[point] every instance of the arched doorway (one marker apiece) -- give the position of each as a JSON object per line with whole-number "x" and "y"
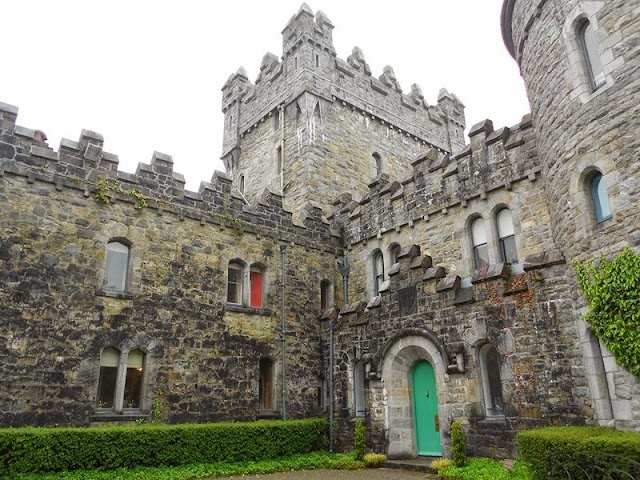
{"x": 404, "y": 358}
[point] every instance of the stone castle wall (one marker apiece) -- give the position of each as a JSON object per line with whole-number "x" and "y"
{"x": 202, "y": 354}
{"x": 580, "y": 131}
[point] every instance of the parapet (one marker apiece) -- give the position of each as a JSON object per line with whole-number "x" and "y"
{"x": 84, "y": 166}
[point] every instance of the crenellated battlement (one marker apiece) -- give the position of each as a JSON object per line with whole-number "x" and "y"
{"x": 494, "y": 161}
{"x": 84, "y": 166}
{"x": 309, "y": 64}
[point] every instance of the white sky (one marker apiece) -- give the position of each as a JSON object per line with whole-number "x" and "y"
{"x": 147, "y": 74}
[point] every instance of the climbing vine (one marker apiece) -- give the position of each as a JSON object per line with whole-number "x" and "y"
{"x": 104, "y": 190}
{"x": 612, "y": 289}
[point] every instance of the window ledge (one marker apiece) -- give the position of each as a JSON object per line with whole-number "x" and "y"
{"x": 111, "y": 294}
{"x": 268, "y": 415}
{"x": 494, "y": 420}
{"x": 127, "y": 415}
{"x": 232, "y": 307}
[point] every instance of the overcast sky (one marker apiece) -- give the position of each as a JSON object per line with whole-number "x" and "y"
{"x": 147, "y": 74}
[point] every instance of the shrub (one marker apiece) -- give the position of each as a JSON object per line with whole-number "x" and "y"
{"x": 577, "y": 452}
{"x": 58, "y": 449}
{"x": 486, "y": 469}
{"x": 440, "y": 463}
{"x": 458, "y": 446}
{"x": 359, "y": 442}
{"x": 374, "y": 460}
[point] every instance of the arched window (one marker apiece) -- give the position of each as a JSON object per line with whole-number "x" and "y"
{"x": 109, "y": 361}
{"x": 234, "y": 284}
{"x": 508, "y": 251}
{"x": 116, "y": 266}
{"x": 358, "y": 389}
{"x": 265, "y": 385}
{"x": 377, "y": 164}
{"x": 600, "y": 198}
{"x": 279, "y": 159}
{"x": 491, "y": 384}
{"x": 378, "y": 271}
{"x": 325, "y": 295}
{"x": 394, "y": 253}
{"x": 241, "y": 184}
{"x": 593, "y": 63}
{"x": 479, "y": 242}
{"x": 255, "y": 287}
{"x": 133, "y": 382}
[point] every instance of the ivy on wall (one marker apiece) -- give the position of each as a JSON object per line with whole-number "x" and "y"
{"x": 612, "y": 289}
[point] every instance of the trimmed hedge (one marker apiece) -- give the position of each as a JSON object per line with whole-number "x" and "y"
{"x": 25, "y": 450}
{"x": 573, "y": 452}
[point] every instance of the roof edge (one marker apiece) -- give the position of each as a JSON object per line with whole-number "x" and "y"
{"x": 506, "y": 18}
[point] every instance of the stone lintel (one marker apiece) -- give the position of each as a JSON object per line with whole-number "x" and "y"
{"x": 448, "y": 283}
{"x": 485, "y": 126}
{"x": 421, "y": 261}
{"x": 434, "y": 273}
{"x": 394, "y": 270}
{"x": 543, "y": 259}
{"x": 409, "y": 251}
{"x": 492, "y": 272}
{"x": 463, "y": 295}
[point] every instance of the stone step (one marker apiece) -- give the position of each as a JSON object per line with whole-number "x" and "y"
{"x": 420, "y": 464}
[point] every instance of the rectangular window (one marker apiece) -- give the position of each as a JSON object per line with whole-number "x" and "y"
{"x": 255, "y": 281}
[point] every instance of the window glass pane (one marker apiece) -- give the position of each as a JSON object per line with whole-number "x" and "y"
{"x": 378, "y": 271}
{"x": 481, "y": 256}
{"x": 358, "y": 389}
{"x": 234, "y": 286}
{"x": 508, "y": 249}
{"x": 492, "y": 386}
{"x": 590, "y": 46}
{"x": 133, "y": 382}
{"x": 116, "y": 266}
{"x": 395, "y": 252}
{"x": 505, "y": 223}
{"x": 478, "y": 232}
{"x": 324, "y": 294}
{"x": 109, "y": 361}
{"x": 600, "y": 198}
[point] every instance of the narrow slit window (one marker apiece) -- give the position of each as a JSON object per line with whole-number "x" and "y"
{"x": 592, "y": 59}
{"x": 378, "y": 271}
{"x": 600, "y": 198}
{"x": 265, "y": 385}
{"x": 358, "y": 389}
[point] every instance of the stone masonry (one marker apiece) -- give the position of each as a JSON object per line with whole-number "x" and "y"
{"x": 331, "y": 163}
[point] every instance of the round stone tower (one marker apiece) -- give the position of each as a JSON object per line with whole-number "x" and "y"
{"x": 580, "y": 61}
{"x": 581, "y": 66}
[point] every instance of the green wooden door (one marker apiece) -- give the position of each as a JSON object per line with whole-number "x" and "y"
{"x": 425, "y": 407}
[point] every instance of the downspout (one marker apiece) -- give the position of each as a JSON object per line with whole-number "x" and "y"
{"x": 281, "y": 120}
{"x": 283, "y": 252}
{"x": 344, "y": 270}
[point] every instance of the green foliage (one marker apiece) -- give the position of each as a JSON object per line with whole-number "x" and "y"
{"x": 359, "y": 442}
{"x": 25, "y": 450}
{"x": 458, "y": 445}
{"x": 568, "y": 451}
{"x": 104, "y": 190}
{"x": 310, "y": 461}
{"x": 441, "y": 463}
{"x": 613, "y": 291}
{"x": 487, "y": 469}
{"x": 374, "y": 460}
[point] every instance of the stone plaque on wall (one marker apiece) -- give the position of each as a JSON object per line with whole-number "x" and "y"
{"x": 407, "y": 300}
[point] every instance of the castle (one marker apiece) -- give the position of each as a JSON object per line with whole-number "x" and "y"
{"x": 358, "y": 256}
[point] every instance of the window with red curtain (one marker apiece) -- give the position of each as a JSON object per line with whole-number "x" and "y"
{"x": 255, "y": 280}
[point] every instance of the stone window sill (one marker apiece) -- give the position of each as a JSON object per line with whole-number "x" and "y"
{"x": 108, "y": 415}
{"x": 111, "y": 294}
{"x": 232, "y": 307}
{"x": 493, "y": 421}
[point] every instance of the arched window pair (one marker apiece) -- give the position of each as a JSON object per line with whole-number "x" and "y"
{"x": 242, "y": 290}
{"x": 120, "y": 381}
{"x": 506, "y": 240}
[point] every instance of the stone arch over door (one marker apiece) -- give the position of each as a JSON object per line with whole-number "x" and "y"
{"x": 397, "y": 364}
